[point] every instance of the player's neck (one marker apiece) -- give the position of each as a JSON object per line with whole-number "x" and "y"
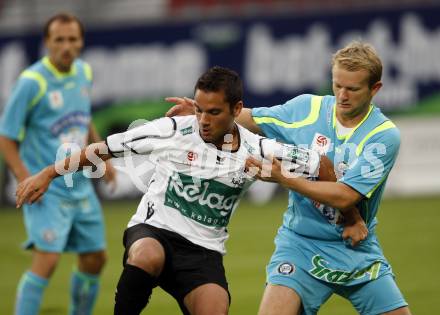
{"x": 230, "y": 141}
{"x": 351, "y": 121}
{"x": 60, "y": 68}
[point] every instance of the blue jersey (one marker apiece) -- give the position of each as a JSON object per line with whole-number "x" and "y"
{"x": 363, "y": 159}
{"x": 49, "y": 111}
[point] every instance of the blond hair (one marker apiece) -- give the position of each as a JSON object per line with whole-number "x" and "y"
{"x": 357, "y": 56}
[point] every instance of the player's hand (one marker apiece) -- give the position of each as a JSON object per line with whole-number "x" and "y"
{"x": 32, "y": 188}
{"x": 183, "y": 106}
{"x": 268, "y": 170}
{"x": 356, "y": 231}
{"x": 110, "y": 175}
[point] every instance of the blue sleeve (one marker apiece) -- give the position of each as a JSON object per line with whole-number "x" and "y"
{"x": 273, "y": 120}
{"x": 375, "y": 162}
{"x": 12, "y": 122}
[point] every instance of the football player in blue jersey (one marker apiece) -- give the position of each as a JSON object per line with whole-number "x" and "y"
{"x": 49, "y": 115}
{"x": 312, "y": 260}
{"x": 309, "y": 264}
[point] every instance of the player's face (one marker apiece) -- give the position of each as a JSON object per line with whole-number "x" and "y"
{"x": 352, "y": 92}
{"x": 214, "y": 115}
{"x": 64, "y": 43}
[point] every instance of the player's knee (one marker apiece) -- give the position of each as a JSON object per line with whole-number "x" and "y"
{"x": 207, "y": 299}
{"x": 147, "y": 254}
{"x": 100, "y": 260}
{"x": 214, "y": 307}
{"x": 92, "y": 262}
{"x": 211, "y": 309}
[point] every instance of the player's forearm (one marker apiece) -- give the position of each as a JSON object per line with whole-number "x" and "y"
{"x": 92, "y": 155}
{"x": 326, "y": 170}
{"x": 352, "y": 216}
{"x": 9, "y": 150}
{"x": 245, "y": 119}
{"x": 336, "y": 195}
{"x": 326, "y": 173}
{"x": 93, "y": 136}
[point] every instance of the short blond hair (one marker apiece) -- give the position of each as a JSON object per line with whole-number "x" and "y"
{"x": 358, "y": 55}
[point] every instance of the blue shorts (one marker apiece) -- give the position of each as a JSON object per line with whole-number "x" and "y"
{"x": 56, "y": 224}
{"x": 306, "y": 267}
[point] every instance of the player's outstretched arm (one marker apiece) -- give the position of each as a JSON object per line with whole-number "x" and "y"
{"x": 183, "y": 106}
{"x": 325, "y": 191}
{"x": 336, "y": 195}
{"x": 32, "y": 188}
{"x": 110, "y": 171}
{"x": 355, "y": 228}
{"x": 246, "y": 120}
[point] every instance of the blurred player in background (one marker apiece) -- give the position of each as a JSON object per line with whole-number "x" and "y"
{"x": 177, "y": 237}
{"x": 47, "y": 114}
{"x": 310, "y": 262}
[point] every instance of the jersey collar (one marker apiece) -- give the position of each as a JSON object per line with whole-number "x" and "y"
{"x": 58, "y": 74}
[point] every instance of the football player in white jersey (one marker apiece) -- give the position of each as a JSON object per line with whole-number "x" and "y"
{"x": 176, "y": 238}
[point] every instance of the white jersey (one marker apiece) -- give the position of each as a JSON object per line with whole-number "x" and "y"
{"x": 195, "y": 187}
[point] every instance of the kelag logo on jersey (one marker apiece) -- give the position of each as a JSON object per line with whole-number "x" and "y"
{"x": 205, "y": 201}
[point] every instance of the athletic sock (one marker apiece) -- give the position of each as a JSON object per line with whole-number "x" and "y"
{"x": 30, "y": 294}
{"x": 84, "y": 289}
{"x": 133, "y": 291}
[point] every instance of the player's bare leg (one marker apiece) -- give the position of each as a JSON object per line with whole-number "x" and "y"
{"x": 147, "y": 254}
{"x": 400, "y": 311}
{"x": 207, "y": 299}
{"x": 44, "y": 263}
{"x": 279, "y": 300}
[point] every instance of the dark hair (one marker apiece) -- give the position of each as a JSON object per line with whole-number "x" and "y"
{"x": 63, "y": 18}
{"x": 222, "y": 79}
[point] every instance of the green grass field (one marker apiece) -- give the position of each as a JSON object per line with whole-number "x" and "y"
{"x": 408, "y": 229}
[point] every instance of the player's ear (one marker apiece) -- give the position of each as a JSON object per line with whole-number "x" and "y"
{"x": 376, "y": 87}
{"x": 236, "y": 109}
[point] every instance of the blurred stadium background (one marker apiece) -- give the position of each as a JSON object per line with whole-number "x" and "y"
{"x": 142, "y": 51}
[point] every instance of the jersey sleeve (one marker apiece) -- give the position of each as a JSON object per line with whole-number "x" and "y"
{"x": 151, "y": 136}
{"x": 296, "y": 160}
{"x": 276, "y": 120}
{"x": 24, "y": 95}
{"x": 374, "y": 163}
